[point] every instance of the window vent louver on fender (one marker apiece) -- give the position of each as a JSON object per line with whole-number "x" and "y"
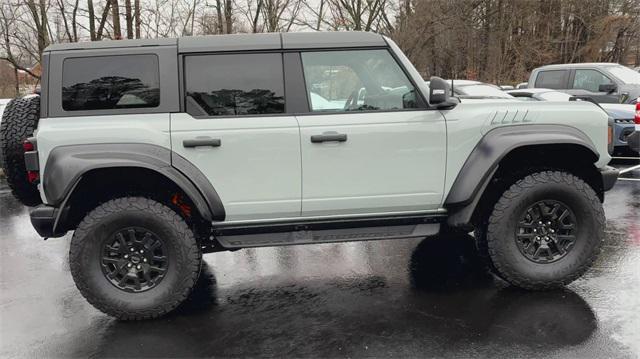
{"x": 502, "y": 117}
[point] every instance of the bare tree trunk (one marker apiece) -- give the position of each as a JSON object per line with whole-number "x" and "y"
{"x": 320, "y": 14}
{"x": 17, "y": 80}
{"x": 219, "y": 13}
{"x": 128, "y": 18}
{"x": 136, "y": 9}
{"x": 103, "y": 20}
{"x": 115, "y": 11}
{"x": 92, "y": 20}
{"x": 228, "y": 17}
{"x": 193, "y": 17}
{"x": 74, "y": 20}
{"x": 39, "y": 16}
{"x": 63, "y": 13}
{"x": 256, "y": 17}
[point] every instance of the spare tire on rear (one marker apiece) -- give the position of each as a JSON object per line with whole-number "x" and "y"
{"x": 19, "y": 120}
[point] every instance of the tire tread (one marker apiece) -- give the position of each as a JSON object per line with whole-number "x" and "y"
{"x": 190, "y": 247}
{"x": 500, "y": 210}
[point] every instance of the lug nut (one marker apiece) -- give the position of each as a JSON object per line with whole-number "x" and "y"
{"x": 129, "y": 265}
{"x": 139, "y": 266}
{"x": 141, "y": 251}
{"x": 132, "y": 249}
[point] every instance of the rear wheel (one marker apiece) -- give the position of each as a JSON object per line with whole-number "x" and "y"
{"x": 19, "y": 120}
{"x": 545, "y": 231}
{"x": 134, "y": 258}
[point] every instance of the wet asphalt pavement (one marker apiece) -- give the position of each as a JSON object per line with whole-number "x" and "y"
{"x": 403, "y": 298}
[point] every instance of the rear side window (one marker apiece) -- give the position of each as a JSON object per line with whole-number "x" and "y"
{"x": 110, "y": 82}
{"x": 555, "y": 79}
{"x": 234, "y": 85}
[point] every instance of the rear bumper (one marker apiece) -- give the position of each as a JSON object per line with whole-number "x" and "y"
{"x": 609, "y": 177}
{"x": 44, "y": 219}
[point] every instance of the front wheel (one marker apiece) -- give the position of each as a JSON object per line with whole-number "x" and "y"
{"x": 545, "y": 231}
{"x": 134, "y": 258}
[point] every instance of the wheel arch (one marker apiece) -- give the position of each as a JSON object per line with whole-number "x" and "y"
{"x": 508, "y": 152}
{"x": 93, "y": 173}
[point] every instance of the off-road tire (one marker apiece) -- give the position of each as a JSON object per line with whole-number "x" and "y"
{"x": 19, "y": 120}
{"x": 102, "y": 223}
{"x": 511, "y": 264}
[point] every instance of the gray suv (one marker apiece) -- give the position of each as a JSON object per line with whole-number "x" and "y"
{"x": 154, "y": 152}
{"x": 604, "y": 82}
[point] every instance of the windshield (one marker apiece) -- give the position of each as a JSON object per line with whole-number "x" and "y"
{"x": 486, "y": 91}
{"x": 554, "y": 96}
{"x": 625, "y": 74}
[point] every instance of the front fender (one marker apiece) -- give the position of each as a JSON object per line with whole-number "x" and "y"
{"x": 483, "y": 161}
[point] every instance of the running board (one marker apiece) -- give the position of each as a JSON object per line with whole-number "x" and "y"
{"x": 232, "y": 237}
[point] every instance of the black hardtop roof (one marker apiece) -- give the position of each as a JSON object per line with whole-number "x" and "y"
{"x": 239, "y": 42}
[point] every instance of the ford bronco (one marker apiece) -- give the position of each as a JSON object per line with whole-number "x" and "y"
{"x": 154, "y": 152}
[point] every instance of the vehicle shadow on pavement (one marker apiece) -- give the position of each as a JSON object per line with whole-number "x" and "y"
{"x": 451, "y": 297}
{"x": 450, "y": 267}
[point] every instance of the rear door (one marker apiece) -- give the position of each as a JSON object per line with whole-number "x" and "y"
{"x": 553, "y": 79}
{"x": 369, "y": 144}
{"x": 237, "y": 132}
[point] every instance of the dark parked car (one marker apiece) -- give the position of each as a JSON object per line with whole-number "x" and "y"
{"x": 603, "y": 82}
{"x": 622, "y": 114}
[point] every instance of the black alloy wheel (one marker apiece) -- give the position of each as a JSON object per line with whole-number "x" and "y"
{"x": 546, "y": 231}
{"x": 134, "y": 259}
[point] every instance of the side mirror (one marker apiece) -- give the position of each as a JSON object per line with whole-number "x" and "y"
{"x": 608, "y": 88}
{"x": 438, "y": 90}
{"x": 439, "y": 93}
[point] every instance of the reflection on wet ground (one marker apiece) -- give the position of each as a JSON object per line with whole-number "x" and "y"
{"x": 429, "y": 297}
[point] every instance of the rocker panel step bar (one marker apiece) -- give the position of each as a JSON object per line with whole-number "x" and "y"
{"x": 308, "y": 232}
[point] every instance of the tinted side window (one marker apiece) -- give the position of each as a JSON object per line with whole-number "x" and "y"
{"x": 356, "y": 80}
{"x": 110, "y": 82}
{"x": 590, "y": 80}
{"x": 555, "y": 79}
{"x": 229, "y": 85}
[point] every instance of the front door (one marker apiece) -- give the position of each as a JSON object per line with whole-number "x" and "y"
{"x": 368, "y": 144}
{"x": 236, "y": 132}
{"x": 587, "y": 82}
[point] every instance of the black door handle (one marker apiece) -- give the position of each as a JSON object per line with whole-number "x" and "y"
{"x": 329, "y": 137}
{"x": 195, "y": 142}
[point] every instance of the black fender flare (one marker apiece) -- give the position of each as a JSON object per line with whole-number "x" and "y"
{"x": 67, "y": 164}
{"x": 482, "y": 163}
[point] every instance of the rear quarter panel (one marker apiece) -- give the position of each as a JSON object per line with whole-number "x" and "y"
{"x": 79, "y": 130}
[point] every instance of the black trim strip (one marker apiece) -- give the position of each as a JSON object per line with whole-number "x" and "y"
{"x": 222, "y": 229}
